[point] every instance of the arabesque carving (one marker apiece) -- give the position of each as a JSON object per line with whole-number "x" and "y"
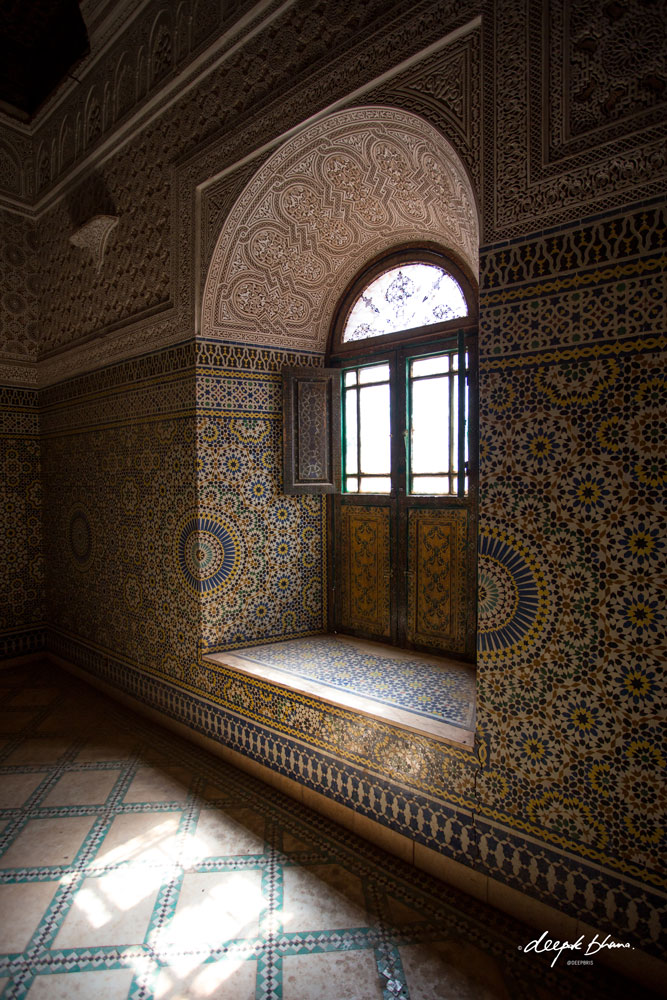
{"x": 344, "y": 190}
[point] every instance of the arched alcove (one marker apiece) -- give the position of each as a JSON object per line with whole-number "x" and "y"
{"x": 340, "y": 192}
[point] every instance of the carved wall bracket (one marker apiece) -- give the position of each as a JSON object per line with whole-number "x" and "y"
{"x": 93, "y": 236}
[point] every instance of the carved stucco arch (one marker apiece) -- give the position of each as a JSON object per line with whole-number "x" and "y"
{"x": 331, "y": 198}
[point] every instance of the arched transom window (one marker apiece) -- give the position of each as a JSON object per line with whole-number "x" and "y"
{"x": 405, "y": 296}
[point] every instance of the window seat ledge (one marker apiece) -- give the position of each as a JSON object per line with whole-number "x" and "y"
{"x": 415, "y": 691}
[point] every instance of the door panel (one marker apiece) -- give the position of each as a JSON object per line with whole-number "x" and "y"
{"x": 437, "y": 558}
{"x": 364, "y": 569}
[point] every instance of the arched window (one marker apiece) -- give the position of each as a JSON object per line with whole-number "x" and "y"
{"x": 400, "y": 395}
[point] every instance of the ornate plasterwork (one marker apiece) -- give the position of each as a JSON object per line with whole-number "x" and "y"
{"x": 104, "y": 336}
{"x": 135, "y": 52}
{"x": 18, "y": 374}
{"x": 606, "y": 70}
{"x": 20, "y": 281}
{"x": 445, "y": 89}
{"x": 561, "y": 151}
{"x": 93, "y": 236}
{"x": 341, "y": 192}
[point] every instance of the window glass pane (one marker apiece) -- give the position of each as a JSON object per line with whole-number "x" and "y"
{"x": 375, "y": 484}
{"x": 455, "y": 424}
{"x": 374, "y": 373}
{"x": 465, "y": 441}
{"x": 432, "y": 484}
{"x": 402, "y": 298}
{"x": 431, "y": 366}
{"x": 351, "y": 484}
{"x": 430, "y": 425}
{"x": 351, "y": 439}
{"x": 350, "y": 378}
{"x": 374, "y": 429}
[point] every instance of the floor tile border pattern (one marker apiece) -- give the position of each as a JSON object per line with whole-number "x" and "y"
{"x": 39, "y": 958}
{"x": 557, "y": 878}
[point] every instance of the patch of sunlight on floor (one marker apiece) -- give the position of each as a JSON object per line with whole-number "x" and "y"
{"x": 156, "y": 845}
{"x": 225, "y": 911}
{"x": 123, "y": 889}
{"x": 200, "y": 981}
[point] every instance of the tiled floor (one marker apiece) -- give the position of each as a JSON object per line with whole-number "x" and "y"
{"x": 133, "y": 864}
{"x": 429, "y": 694}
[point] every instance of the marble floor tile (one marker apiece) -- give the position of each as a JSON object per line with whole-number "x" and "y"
{"x": 154, "y": 784}
{"x": 81, "y": 788}
{"x": 33, "y": 696}
{"x": 452, "y": 969}
{"x": 108, "y": 984}
{"x": 105, "y": 746}
{"x": 63, "y": 721}
{"x": 400, "y": 915}
{"x": 16, "y": 788}
{"x": 230, "y": 831}
{"x": 47, "y": 842}
{"x": 114, "y": 909}
{"x": 295, "y": 845}
{"x": 214, "y": 907}
{"x": 22, "y": 905}
{"x": 334, "y": 976}
{"x": 15, "y": 721}
{"x": 324, "y": 897}
{"x": 43, "y": 751}
{"x": 231, "y": 979}
{"x": 147, "y": 837}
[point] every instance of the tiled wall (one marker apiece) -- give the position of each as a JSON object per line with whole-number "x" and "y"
{"x": 572, "y": 554}
{"x": 166, "y": 529}
{"x": 22, "y": 574}
{"x": 262, "y": 573}
{"x": 119, "y": 467}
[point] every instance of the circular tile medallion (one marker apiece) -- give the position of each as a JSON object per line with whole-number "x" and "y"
{"x": 208, "y": 553}
{"x": 80, "y": 537}
{"x": 512, "y": 594}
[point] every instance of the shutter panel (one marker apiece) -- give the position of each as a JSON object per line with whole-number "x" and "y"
{"x": 440, "y": 558}
{"x": 311, "y": 430}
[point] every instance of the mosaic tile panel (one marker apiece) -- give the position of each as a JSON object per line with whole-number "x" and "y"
{"x": 143, "y": 557}
{"x": 436, "y": 691}
{"x": 176, "y": 875}
{"x": 21, "y": 559}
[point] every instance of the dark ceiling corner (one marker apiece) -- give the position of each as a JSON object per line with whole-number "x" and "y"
{"x": 41, "y": 41}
